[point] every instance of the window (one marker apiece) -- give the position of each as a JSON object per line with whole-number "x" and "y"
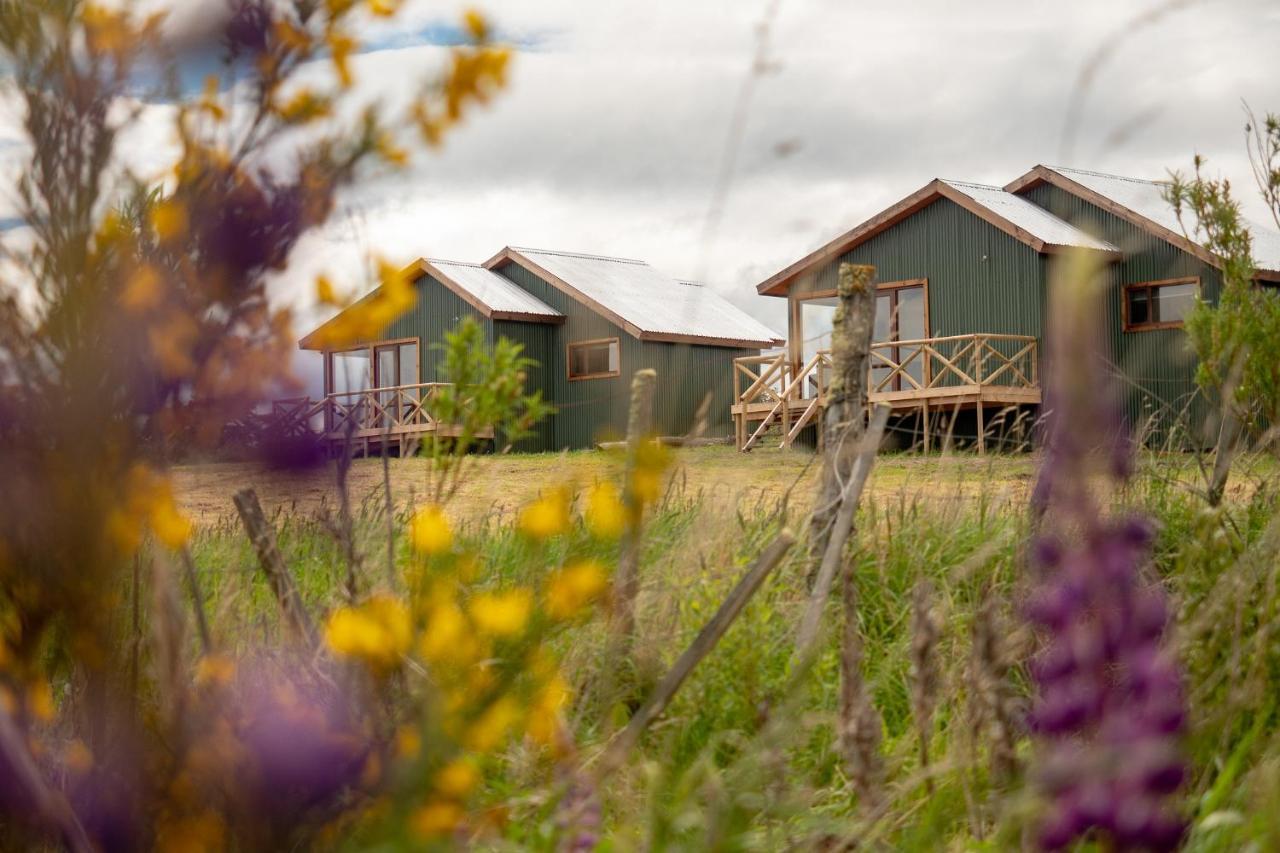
{"x": 594, "y": 359}
{"x": 388, "y": 364}
{"x": 1159, "y": 304}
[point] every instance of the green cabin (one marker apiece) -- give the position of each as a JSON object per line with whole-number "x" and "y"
{"x": 588, "y": 321}
{"x": 963, "y": 274}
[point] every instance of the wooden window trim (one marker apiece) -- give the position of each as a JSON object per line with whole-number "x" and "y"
{"x": 1149, "y": 286}
{"x": 371, "y": 349}
{"x": 568, "y": 359}
{"x": 883, "y": 285}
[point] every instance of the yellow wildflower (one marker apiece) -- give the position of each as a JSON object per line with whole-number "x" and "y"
{"x": 141, "y": 289}
{"x": 171, "y": 527}
{"x": 40, "y": 700}
{"x": 325, "y": 293}
{"x": 341, "y": 47}
{"x": 502, "y": 614}
{"x": 493, "y": 725}
{"x": 384, "y": 8}
{"x": 124, "y": 531}
{"x": 456, "y": 779}
{"x": 605, "y": 514}
{"x": 544, "y": 713}
{"x": 436, "y": 819}
{"x": 547, "y": 516}
{"x": 430, "y": 531}
{"x": 77, "y": 758}
{"x": 447, "y": 638}
{"x": 476, "y": 25}
{"x": 304, "y": 106}
{"x": 408, "y": 743}
{"x": 171, "y": 344}
{"x": 652, "y": 459}
{"x": 376, "y": 632}
{"x": 215, "y": 671}
{"x": 574, "y": 587}
{"x": 386, "y": 148}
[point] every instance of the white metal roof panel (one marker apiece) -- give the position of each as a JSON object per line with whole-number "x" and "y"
{"x": 1031, "y": 218}
{"x": 1147, "y": 199}
{"x": 493, "y": 290}
{"x": 651, "y": 300}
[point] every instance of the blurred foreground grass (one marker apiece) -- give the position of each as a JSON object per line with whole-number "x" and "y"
{"x": 744, "y": 753}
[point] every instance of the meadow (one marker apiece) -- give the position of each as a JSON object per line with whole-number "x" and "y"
{"x": 746, "y": 757}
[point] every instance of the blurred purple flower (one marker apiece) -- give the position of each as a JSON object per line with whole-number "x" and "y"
{"x": 248, "y": 29}
{"x": 1110, "y": 708}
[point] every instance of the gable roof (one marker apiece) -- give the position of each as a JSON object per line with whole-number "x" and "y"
{"x": 1143, "y": 204}
{"x": 648, "y": 304}
{"x": 493, "y": 295}
{"x": 1017, "y": 217}
{"x": 489, "y": 293}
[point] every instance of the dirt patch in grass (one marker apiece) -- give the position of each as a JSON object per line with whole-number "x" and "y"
{"x": 500, "y": 484}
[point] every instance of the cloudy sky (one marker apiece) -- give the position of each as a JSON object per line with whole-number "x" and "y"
{"x": 652, "y": 129}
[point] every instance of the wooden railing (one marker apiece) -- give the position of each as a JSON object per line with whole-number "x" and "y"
{"x": 913, "y": 369}
{"x": 770, "y": 389}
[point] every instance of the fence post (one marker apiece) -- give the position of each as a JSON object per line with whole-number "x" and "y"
{"x": 844, "y": 420}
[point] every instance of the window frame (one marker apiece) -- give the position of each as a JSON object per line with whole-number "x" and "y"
{"x": 1151, "y": 286}
{"x": 568, "y": 358}
{"x": 372, "y": 349}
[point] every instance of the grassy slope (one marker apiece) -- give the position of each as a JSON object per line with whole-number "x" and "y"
{"x": 744, "y": 757}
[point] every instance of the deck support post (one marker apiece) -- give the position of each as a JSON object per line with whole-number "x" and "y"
{"x": 924, "y": 425}
{"x": 982, "y": 430}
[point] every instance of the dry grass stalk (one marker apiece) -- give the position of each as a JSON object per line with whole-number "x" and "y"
{"x": 926, "y": 677}
{"x": 168, "y": 637}
{"x": 993, "y": 706}
{"x": 860, "y": 725}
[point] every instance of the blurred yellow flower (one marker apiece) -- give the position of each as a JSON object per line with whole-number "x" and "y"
{"x": 502, "y": 614}
{"x": 215, "y": 670}
{"x": 430, "y": 531}
{"x": 384, "y": 8}
{"x": 605, "y": 514}
{"x": 341, "y": 47}
{"x": 171, "y": 342}
{"x": 476, "y": 25}
{"x": 457, "y": 778}
{"x": 435, "y": 819}
{"x": 171, "y": 527}
{"x": 652, "y": 459}
{"x": 325, "y": 293}
{"x": 498, "y": 719}
{"x": 142, "y": 289}
{"x": 544, "y": 713}
{"x": 376, "y": 632}
{"x": 575, "y": 586}
{"x": 77, "y": 758}
{"x": 304, "y": 106}
{"x": 408, "y": 743}
{"x": 40, "y": 700}
{"x": 446, "y": 636}
{"x": 547, "y": 516}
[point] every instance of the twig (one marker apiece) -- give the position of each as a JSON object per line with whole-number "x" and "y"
{"x": 197, "y": 600}
{"x": 263, "y": 537}
{"x": 839, "y": 534}
{"x": 24, "y": 775}
{"x": 701, "y": 646}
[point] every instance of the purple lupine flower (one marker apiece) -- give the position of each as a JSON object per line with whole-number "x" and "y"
{"x": 1110, "y": 708}
{"x": 248, "y": 29}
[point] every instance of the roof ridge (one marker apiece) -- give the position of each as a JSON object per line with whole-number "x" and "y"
{"x": 452, "y": 263}
{"x": 954, "y": 182}
{"x": 1097, "y": 174}
{"x": 564, "y": 254}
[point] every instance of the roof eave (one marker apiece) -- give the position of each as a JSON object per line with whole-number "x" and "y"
{"x": 707, "y": 340}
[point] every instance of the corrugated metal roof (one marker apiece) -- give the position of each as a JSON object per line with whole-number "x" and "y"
{"x": 649, "y": 300}
{"x": 495, "y": 292}
{"x": 1031, "y": 218}
{"x": 1147, "y": 199}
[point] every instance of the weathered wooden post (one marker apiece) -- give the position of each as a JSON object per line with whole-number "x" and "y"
{"x": 627, "y": 580}
{"x": 844, "y": 420}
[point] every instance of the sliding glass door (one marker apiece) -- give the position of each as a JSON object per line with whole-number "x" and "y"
{"x": 902, "y": 314}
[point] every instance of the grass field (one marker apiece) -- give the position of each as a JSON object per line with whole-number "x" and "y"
{"x": 747, "y": 756}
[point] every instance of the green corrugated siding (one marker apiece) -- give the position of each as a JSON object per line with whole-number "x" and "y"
{"x": 438, "y": 310}
{"x": 1159, "y": 366}
{"x": 592, "y": 410}
{"x": 538, "y": 340}
{"x": 979, "y": 278}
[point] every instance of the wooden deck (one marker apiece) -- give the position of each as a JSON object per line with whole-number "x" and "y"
{"x": 375, "y": 419}
{"x": 977, "y": 371}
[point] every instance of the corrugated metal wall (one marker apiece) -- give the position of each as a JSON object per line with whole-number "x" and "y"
{"x": 979, "y": 278}
{"x": 538, "y": 340}
{"x": 438, "y": 310}
{"x": 1158, "y": 365}
{"x": 592, "y": 410}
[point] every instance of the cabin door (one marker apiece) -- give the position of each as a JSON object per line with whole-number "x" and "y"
{"x": 395, "y": 366}
{"x": 901, "y": 315}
